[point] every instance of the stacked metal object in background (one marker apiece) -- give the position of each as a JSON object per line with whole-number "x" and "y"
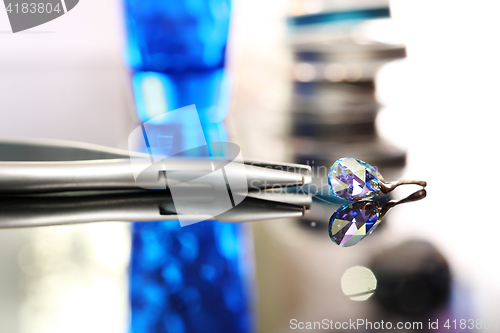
{"x": 334, "y": 106}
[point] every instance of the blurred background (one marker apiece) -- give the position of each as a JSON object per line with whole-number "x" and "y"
{"x": 407, "y": 86}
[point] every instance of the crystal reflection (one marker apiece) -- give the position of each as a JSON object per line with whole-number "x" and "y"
{"x": 353, "y": 222}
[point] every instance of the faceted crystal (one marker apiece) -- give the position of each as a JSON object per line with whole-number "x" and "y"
{"x": 351, "y": 223}
{"x": 352, "y": 179}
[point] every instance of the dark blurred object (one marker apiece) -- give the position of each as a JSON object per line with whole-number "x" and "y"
{"x": 413, "y": 278}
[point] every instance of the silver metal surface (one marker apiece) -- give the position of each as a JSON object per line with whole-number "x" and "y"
{"x": 21, "y": 170}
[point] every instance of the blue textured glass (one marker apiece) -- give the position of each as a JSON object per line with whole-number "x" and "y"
{"x": 188, "y": 279}
{"x": 176, "y": 36}
{"x": 192, "y": 278}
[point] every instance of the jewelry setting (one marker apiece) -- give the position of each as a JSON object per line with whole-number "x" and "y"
{"x": 353, "y": 180}
{"x": 358, "y": 181}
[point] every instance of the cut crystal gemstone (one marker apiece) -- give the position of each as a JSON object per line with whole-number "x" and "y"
{"x": 351, "y": 223}
{"x": 352, "y": 179}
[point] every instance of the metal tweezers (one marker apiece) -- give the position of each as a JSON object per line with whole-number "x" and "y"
{"x": 54, "y": 182}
